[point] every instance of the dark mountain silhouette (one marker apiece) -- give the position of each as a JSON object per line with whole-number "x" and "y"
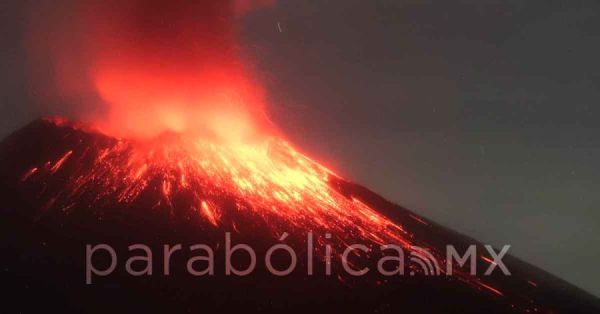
{"x": 61, "y": 190}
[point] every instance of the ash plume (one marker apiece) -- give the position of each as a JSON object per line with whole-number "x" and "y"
{"x": 138, "y": 68}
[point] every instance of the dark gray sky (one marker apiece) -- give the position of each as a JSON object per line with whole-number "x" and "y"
{"x": 481, "y": 115}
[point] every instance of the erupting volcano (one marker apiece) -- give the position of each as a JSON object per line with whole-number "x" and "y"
{"x": 186, "y": 123}
{"x": 175, "y": 146}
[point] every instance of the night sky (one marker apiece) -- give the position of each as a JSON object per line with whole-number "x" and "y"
{"x": 481, "y": 115}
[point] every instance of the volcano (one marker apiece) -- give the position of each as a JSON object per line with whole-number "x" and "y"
{"x": 66, "y": 186}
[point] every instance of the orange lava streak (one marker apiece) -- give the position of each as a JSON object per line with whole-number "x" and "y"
{"x": 492, "y": 289}
{"x": 60, "y": 162}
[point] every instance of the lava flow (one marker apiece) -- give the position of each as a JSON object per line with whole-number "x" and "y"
{"x": 222, "y": 184}
{"x": 267, "y": 178}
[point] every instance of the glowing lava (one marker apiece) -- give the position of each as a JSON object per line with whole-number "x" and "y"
{"x": 266, "y": 177}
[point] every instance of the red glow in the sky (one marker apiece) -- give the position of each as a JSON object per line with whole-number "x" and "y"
{"x": 145, "y": 103}
{"x": 156, "y": 66}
